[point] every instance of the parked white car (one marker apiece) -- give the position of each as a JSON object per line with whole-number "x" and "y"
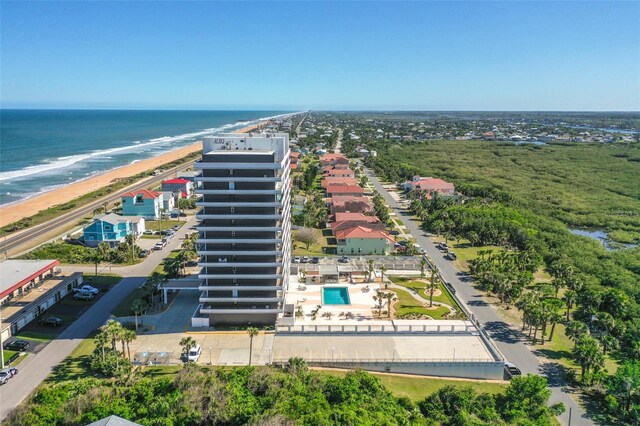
{"x": 194, "y": 353}
{"x": 86, "y": 289}
{"x": 83, "y": 295}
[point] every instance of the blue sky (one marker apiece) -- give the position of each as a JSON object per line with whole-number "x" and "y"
{"x": 329, "y": 55}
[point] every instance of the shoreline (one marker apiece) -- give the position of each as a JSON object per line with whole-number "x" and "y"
{"x": 21, "y": 209}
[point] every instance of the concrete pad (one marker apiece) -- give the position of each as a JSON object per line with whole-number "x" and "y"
{"x": 380, "y": 347}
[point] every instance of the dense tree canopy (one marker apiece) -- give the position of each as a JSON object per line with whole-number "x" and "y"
{"x": 294, "y": 395}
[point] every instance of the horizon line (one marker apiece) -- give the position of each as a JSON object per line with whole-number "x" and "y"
{"x": 298, "y": 110}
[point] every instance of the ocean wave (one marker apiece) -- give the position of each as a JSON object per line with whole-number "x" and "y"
{"x": 71, "y": 160}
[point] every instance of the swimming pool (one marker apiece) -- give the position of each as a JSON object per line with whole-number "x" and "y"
{"x": 335, "y": 296}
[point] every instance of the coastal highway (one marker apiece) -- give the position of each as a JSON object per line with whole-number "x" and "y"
{"x": 509, "y": 340}
{"x": 32, "y": 237}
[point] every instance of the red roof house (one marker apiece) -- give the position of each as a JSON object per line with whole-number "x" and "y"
{"x": 333, "y": 190}
{"x": 350, "y": 203}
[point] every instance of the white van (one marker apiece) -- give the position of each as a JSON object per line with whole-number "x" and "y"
{"x": 194, "y": 353}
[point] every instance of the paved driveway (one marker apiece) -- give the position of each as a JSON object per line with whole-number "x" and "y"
{"x": 508, "y": 339}
{"x": 35, "y": 368}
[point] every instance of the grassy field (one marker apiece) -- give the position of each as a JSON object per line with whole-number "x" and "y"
{"x": 407, "y": 305}
{"x": 419, "y": 287}
{"x": 154, "y": 225}
{"x": 160, "y": 268}
{"x": 417, "y": 388}
{"x": 124, "y": 308}
{"x": 73, "y": 367}
{"x": 583, "y": 185}
{"x": 321, "y": 247}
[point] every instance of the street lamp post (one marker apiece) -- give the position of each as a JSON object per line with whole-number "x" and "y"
{"x": 210, "y": 359}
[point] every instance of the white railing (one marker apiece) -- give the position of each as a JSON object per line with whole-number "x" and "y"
{"x": 378, "y": 328}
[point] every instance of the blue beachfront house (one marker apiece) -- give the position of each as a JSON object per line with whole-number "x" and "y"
{"x": 109, "y": 228}
{"x": 143, "y": 202}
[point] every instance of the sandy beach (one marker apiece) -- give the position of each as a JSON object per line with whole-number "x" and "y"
{"x": 31, "y": 206}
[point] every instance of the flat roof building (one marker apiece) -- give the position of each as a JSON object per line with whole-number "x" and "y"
{"x": 17, "y": 276}
{"x": 244, "y": 238}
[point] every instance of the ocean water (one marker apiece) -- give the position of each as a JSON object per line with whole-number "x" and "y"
{"x": 44, "y": 149}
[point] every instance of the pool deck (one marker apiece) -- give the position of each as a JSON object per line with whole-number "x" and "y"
{"x": 310, "y": 296}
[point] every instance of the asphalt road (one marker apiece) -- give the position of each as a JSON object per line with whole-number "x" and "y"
{"x": 509, "y": 340}
{"x": 20, "y": 240}
{"x": 36, "y": 367}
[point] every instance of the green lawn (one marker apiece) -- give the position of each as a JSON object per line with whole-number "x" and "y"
{"x": 35, "y": 336}
{"x": 160, "y": 268}
{"x": 7, "y": 356}
{"x": 317, "y": 249}
{"x": 124, "y": 308}
{"x": 417, "y": 388}
{"x": 102, "y": 279}
{"x": 465, "y": 251}
{"x": 154, "y": 225}
{"x": 73, "y": 367}
{"x": 406, "y": 304}
{"x": 419, "y": 287}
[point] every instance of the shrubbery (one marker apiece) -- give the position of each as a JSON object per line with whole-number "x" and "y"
{"x": 294, "y": 395}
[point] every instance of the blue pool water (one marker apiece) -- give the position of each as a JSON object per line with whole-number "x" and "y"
{"x": 335, "y": 296}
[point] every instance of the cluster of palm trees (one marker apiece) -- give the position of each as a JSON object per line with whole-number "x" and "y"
{"x": 150, "y": 291}
{"x": 384, "y": 297}
{"x": 505, "y": 274}
{"x": 111, "y": 334}
{"x": 176, "y": 266}
{"x": 474, "y": 220}
{"x": 127, "y": 251}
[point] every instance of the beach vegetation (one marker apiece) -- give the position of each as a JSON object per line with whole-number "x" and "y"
{"x": 197, "y": 395}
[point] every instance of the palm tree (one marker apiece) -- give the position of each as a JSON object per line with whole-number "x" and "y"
{"x": 432, "y": 286}
{"x": 391, "y": 297}
{"x": 129, "y": 336}
{"x": 570, "y": 297}
{"x": 576, "y": 330}
{"x": 382, "y": 269}
{"x": 379, "y": 297}
{"x": 370, "y": 270}
{"x": 112, "y": 329}
{"x": 252, "y": 332}
{"x": 104, "y": 250}
{"x": 138, "y": 306}
{"x": 423, "y": 264}
{"x": 186, "y": 343}
{"x": 589, "y": 354}
{"x": 151, "y": 286}
{"x": 101, "y": 340}
{"x": 97, "y": 211}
